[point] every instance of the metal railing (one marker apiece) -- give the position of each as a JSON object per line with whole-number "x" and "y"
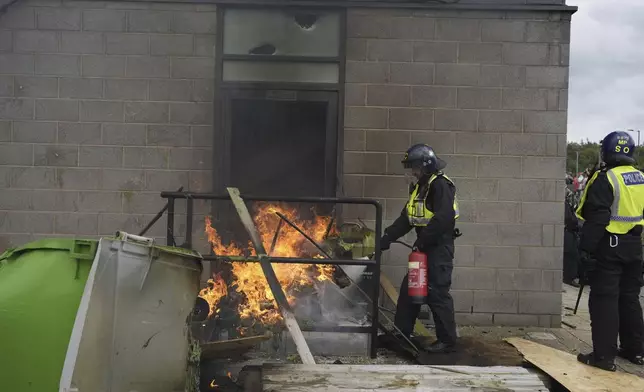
{"x": 190, "y": 197}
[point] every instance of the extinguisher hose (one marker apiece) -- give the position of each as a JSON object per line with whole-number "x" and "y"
{"x": 403, "y": 243}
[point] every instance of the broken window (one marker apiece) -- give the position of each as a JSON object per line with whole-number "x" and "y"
{"x": 281, "y": 32}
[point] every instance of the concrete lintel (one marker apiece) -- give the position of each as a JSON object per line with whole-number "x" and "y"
{"x": 402, "y": 4}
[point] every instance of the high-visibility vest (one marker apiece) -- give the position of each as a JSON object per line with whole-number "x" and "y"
{"x": 628, "y": 199}
{"x": 417, "y": 212}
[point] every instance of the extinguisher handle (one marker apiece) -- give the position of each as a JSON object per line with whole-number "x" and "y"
{"x": 414, "y": 249}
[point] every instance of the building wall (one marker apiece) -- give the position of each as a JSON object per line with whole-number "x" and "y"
{"x": 102, "y": 105}
{"x": 105, "y": 103}
{"x": 488, "y": 90}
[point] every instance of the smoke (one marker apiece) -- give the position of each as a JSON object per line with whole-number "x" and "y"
{"x": 330, "y": 305}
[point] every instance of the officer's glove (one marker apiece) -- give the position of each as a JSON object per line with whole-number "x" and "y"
{"x": 417, "y": 246}
{"x": 385, "y": 242}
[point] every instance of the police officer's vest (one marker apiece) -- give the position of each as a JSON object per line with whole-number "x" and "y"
{"x": 417, "y": 212}
{"x": 628, "y": 199}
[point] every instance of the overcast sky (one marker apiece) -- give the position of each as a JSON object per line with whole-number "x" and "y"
{"x": 606, "y": 68}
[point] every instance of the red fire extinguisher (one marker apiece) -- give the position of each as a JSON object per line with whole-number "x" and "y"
{"x": 417, "y": 277}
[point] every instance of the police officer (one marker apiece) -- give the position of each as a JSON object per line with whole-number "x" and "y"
{"x": 431, "y": 210}
{"x": 571, "y": 243}
{"x": 612, "y": 207}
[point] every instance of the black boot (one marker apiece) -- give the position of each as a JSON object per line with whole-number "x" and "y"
{"x": 601, "y": 363}
{"x": 439, "y": 347}
{"x": 637, "y": 359}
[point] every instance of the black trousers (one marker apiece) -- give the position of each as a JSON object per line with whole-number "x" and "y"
{"x": 440, "y": 266}
{"x": 571, "y": 256}
{"x": 615, "y": 284}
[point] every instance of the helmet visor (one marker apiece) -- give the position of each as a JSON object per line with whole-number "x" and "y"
{"x": 412, "y": 164}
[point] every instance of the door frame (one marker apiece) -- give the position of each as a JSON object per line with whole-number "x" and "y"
{"x": 223, "y": 90}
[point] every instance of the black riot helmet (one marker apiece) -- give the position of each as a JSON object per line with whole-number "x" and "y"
{"x": 618, "y": 148}
{"x": 422, "y": 156}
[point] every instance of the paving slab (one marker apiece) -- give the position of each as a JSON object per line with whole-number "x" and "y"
{"x": 578, "y": 337}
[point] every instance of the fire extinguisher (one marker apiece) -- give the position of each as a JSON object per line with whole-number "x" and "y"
{"x": 417, "y": 277}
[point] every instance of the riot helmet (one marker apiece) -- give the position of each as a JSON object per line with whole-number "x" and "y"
{"x": 422, "y": 159}
{"x": 618, "y": 148}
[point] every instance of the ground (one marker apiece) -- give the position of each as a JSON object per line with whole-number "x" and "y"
{"x": 484, "y": 346}
{"x": 579, "y": 338}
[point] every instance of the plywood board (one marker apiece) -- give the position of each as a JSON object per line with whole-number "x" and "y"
{"x": 572, "y": 374}
{"x": 296, "y": 378}
{"x": 391, "y": 292}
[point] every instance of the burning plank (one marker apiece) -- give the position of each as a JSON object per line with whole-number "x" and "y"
{"x": 271, "y": 278}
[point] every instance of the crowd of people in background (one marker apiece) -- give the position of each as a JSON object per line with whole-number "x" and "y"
{"x": 577, "y": 182}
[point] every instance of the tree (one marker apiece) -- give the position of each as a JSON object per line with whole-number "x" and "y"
{"x": 589, "y": 154}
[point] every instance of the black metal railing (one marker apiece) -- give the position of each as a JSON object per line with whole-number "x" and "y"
{"x": 190, "y": 197}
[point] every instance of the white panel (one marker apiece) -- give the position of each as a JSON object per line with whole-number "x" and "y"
{"x": 245, "y": 71}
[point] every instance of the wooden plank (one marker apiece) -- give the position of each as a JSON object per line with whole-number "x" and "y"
{"x": 300, "y": 378}
{"x": 408, "y": 369}
{"x": 224, "y": 347}
{"x": 572, "y": 374}
{"x": 391, "y": 292}
{"x": 271, "y": 278}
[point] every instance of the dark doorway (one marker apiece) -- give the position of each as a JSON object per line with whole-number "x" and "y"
{"x": 280, "y": 143}
{"x": 278, "y": 147}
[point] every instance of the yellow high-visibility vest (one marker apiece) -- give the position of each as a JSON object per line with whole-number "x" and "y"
{"x": 417, "y": 212}
{"x": 628, "y": 199}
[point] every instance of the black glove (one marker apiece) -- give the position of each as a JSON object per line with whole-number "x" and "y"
{"x": 588, "y": 263}
{"x": 385, "y": 242}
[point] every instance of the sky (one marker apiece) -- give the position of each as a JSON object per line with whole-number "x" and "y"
{"x": 606, "y": 68}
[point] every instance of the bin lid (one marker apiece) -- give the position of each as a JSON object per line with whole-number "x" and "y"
{"x": 83, "y": 249}
{"x": 146, "y": 241}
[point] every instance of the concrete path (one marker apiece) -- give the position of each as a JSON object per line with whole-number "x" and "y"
{"x": 579, "y": 339}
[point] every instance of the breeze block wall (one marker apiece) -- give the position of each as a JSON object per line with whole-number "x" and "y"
{"x": 487, "y": 90}
{"x": 102, "y": 106}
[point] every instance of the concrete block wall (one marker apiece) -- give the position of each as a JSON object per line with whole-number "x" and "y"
{"x": 488, "y": 91}
{"x": 102, "y": 105}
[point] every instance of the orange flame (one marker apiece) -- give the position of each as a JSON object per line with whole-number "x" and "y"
{"x": 214, "y": 292}
{"x": 249, "y": 278}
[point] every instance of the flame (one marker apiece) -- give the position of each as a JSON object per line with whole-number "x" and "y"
{"x": 259, "y": 304}
{"x": 216, "y": 289}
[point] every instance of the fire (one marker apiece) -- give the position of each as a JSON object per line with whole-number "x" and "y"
{"x": 248, "y": 277}
{"x": 213, "y": 382}
{"x": 214, "y": 292}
